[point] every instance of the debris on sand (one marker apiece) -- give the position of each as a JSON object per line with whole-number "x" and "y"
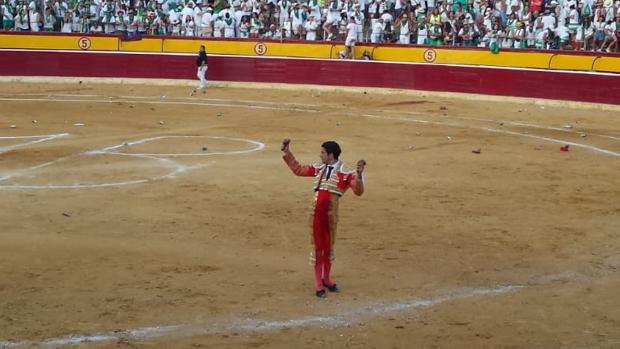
{"x": 476, "y": 151}
{"x": 205, "y": 148}
{"x": 568, "y": 126}
{"x": 78, "y": 124}
{"x": 13, "y": 126}
{"x": 66, "y": 214}
{"x": 564, "y": 148}
{"x": 443, "y": 108}
{"x": 161, "y": 122}
{"x": 583, "y": 135}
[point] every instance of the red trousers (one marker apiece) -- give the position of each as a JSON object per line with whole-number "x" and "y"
{"x": 321, "y": 232}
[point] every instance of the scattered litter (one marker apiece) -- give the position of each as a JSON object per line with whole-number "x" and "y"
{"x": 538, "y": 147}
{"x": 443, "y": 108}
{"x": 13, "y": 126}
{"x": 163, "y": 96}
{"x": 568, "y": 126}
{"x": 125, "y": 144}
{"x": 80, "y": 82}
{"x": 411, "y": 147}
{"x": 219, "y": 114}
{"x": 449, "y": 138}
{"x": 78, "y": 124}
{"x": 35, "y": 121}
{"x": 131, "y": 106}
{"x": 365, "y": 92}
{"x": 204, "y": 148}
{"x": 66, "y": 214}
{"x": 564, "y": 148}
{"x": 501, "y": 124}
{"x": 520, "y": 111}
{"x": 476, "y": 151}
{"x": 583, "y": 135}
{"x": 161, "y": 122}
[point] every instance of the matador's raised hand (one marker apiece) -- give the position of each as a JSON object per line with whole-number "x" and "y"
{"x": 360, "y": 166}
{"x": 285, "y": 144}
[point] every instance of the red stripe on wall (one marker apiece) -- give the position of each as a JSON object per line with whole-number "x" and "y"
{"x": 491, "y": 81}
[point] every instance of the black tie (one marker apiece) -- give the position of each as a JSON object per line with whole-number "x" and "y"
{"x": 329, "y": 171}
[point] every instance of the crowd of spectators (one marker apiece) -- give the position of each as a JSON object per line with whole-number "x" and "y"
{"x": 549, "y": 24}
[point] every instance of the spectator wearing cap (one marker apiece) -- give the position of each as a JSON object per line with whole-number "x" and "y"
{"x": 311, "y": 26}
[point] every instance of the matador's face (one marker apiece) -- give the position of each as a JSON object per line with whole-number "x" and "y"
{"x": 325, "y": 157}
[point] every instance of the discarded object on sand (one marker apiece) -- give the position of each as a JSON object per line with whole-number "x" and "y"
{"x": 564, "y": 148}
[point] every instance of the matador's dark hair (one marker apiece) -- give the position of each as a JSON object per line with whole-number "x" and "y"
{"x": 332, "y": 147}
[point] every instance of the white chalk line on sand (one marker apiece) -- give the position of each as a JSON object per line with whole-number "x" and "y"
{"x": 508, "y": 122}
{"x": 176, "y": 168}
{"x": 110, "y": 100}
{"x": 549, "y": 139}
{"x": 220, "y": 326}
{"x": 38, "y": 139}
{"x": 248, "y": 101}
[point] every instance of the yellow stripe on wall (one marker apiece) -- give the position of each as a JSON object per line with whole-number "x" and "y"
{"x": 326, "y": 50}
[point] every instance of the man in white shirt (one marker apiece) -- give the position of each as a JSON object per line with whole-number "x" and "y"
{"x": 376, "y": 37}
{"x": 311, "y": 26}
{"x": 206, "y": 22}
{"x": 351, "y": 38}
{"x": 548, "y": 20}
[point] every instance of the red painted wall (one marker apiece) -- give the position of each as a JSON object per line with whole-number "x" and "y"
{"x": 603, "y": 88}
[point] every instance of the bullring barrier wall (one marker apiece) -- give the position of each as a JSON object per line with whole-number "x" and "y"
{"x": 588, "y": 77}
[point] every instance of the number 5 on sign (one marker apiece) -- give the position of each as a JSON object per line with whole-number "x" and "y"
{"x": 430, "y": 56}
{"x": 84, "y": 43}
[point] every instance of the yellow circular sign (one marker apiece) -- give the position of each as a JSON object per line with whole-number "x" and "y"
{"x": 430, "y": 55}
{"x": 260, "y": 48}
{"x": 84, "y": 43}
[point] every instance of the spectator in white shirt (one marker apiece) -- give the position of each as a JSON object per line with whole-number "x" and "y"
{"x": 351, "y": 37}
{"x": 376, "y": 36}
{"x": 311, "y": 26}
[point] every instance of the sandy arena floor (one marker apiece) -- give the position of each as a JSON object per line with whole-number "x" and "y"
{"x": 107, "y": 243}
